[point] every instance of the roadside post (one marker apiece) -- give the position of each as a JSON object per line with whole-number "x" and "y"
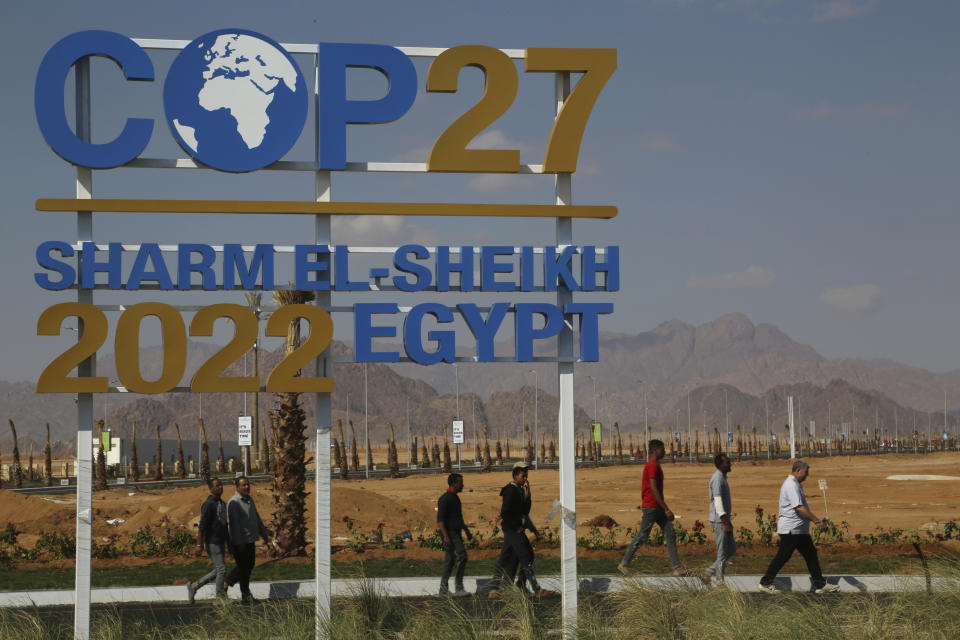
{"x": 823, "y": 488}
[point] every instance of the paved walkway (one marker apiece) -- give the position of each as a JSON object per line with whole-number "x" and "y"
{"x": 419, "y": 587}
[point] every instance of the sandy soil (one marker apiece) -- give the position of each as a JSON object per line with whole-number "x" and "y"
{"x": 858, "y": 492}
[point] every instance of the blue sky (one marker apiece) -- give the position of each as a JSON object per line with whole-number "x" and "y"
{"x": 794, "y": 161}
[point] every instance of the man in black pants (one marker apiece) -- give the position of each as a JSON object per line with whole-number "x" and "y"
{"x": 793, "y": 525}
{"x": 516, "y": 550}
{"x": 245, "y": 528}
{"x": 450, "y": 521}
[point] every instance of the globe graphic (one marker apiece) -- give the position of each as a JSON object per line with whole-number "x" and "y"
{"x": 235, "y": 100}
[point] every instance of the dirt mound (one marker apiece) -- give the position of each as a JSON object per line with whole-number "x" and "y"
{"x": 600, "y": 521}
{"x": 30, "y": 513}
{"x": 367, "y": 509}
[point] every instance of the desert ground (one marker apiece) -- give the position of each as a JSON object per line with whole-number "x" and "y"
{"x": 860, "y": 491}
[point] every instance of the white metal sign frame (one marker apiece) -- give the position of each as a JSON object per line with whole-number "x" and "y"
{"x": 565, "y": 358}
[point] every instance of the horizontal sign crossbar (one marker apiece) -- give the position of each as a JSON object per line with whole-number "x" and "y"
{"x": 123, "y": 205}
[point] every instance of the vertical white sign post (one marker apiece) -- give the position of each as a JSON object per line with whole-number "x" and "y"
{"x": 568, "y": 491}
{"x": 793, "y": 439}
{"x": 87, "y": 369}
{"x": 321, "y": 544}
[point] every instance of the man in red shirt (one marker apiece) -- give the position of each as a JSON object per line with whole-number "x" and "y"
{"x": 655, "y": 511}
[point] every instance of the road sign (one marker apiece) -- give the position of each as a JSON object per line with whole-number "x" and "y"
{"x": 458, "y": 432}
{"x": 823, "y": 485}
{"x": 245, "y": 431}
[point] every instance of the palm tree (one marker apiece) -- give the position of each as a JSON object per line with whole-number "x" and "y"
{"x": 344, "y": 471}
{"x": 221, "y": 461}
{"x": 181, "y": 466}
{"x": 253, "y": 301}
{"x": 447, "y": 467}
{"x": 47, "y": 462}
{"x": 158, "y": 474}
{"x": 30, "y": 463}
{"x": 290, "y": 472}
{"x": 204, "y": 453}
{"x": 487, "y": 462}
{"x": 101, "y": 474}
{"x": 392, "y": 454}
{"x": 528, "y": 450}
{"x": 17, "y": 469}
{"x": 134, "y": 463}
{"x": 354, "y": 454}
{"x": 619, "y": 445}
{"x": 425, "y": 453}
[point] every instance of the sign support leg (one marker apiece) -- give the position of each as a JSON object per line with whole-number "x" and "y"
{"x": 87, "y": 368}
{"x": 321, "y": 546}
{"x": 568, "y": 493}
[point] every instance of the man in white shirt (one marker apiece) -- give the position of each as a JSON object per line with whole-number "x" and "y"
{"x": 793, "y": 526}
{"x": 720, "y": 508}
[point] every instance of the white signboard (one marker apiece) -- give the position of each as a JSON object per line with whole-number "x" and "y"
{"x": 458, "y": 432}
{"x": 823, "y": 485}
{"x": 245, "y": 431}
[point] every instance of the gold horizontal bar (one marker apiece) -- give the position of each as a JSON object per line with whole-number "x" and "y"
{"x": 120, "y": 205}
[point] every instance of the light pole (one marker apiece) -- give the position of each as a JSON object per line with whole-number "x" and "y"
{"x": 595, "y": 408}
{"x": 366, "y": 426}
{"x": 726, "y": 411}
{"x": 409, "y": 436}
{"x": 536, "y": 419}
{"x": 689, "y": 428}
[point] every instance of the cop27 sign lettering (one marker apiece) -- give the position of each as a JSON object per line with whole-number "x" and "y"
{"x": 236, "y": 101}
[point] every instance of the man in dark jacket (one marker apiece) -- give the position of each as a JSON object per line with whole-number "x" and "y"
{"x": 245, "y": 528}
{"x": 212, "y": 538}
{"x": 450, "y": 522}
{"x": 515, "y": 520}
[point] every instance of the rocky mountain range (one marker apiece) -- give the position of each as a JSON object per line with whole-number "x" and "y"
{"x": 728, "y": 367}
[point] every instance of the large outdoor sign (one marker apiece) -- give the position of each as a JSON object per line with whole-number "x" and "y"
{"x": 236, "y": 101}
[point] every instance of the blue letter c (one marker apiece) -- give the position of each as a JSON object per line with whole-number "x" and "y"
{"x": 48, "y": 98}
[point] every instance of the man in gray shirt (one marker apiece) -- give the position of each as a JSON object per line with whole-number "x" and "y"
{"x": 720, "y": 508}
{"x": 793, "y": 526}
{"x": 245, "y": 528}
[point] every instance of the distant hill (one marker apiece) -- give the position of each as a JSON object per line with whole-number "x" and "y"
{"x": 675, "y": 357}
{"x": 753, "y": 363}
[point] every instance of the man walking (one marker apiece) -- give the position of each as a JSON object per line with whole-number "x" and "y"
{"x": 516, "y": 550}
{"x": 450, "y": 521}
{"x": 655, "y": 511}
{"x": 793, "y": 526}
{"x": 212, "y": 538}
{"x": 720, "y": 513}
{"x": 245, "y": 528}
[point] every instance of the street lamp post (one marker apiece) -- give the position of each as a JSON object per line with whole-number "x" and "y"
{"x": 689, "y": 428}
{"x": 366, "y": 426}
{"x": 536, "y": 419}
{"x": 595, "y": 408}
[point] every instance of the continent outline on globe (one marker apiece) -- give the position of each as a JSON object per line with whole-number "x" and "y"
{"x": 235, "y": 100}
